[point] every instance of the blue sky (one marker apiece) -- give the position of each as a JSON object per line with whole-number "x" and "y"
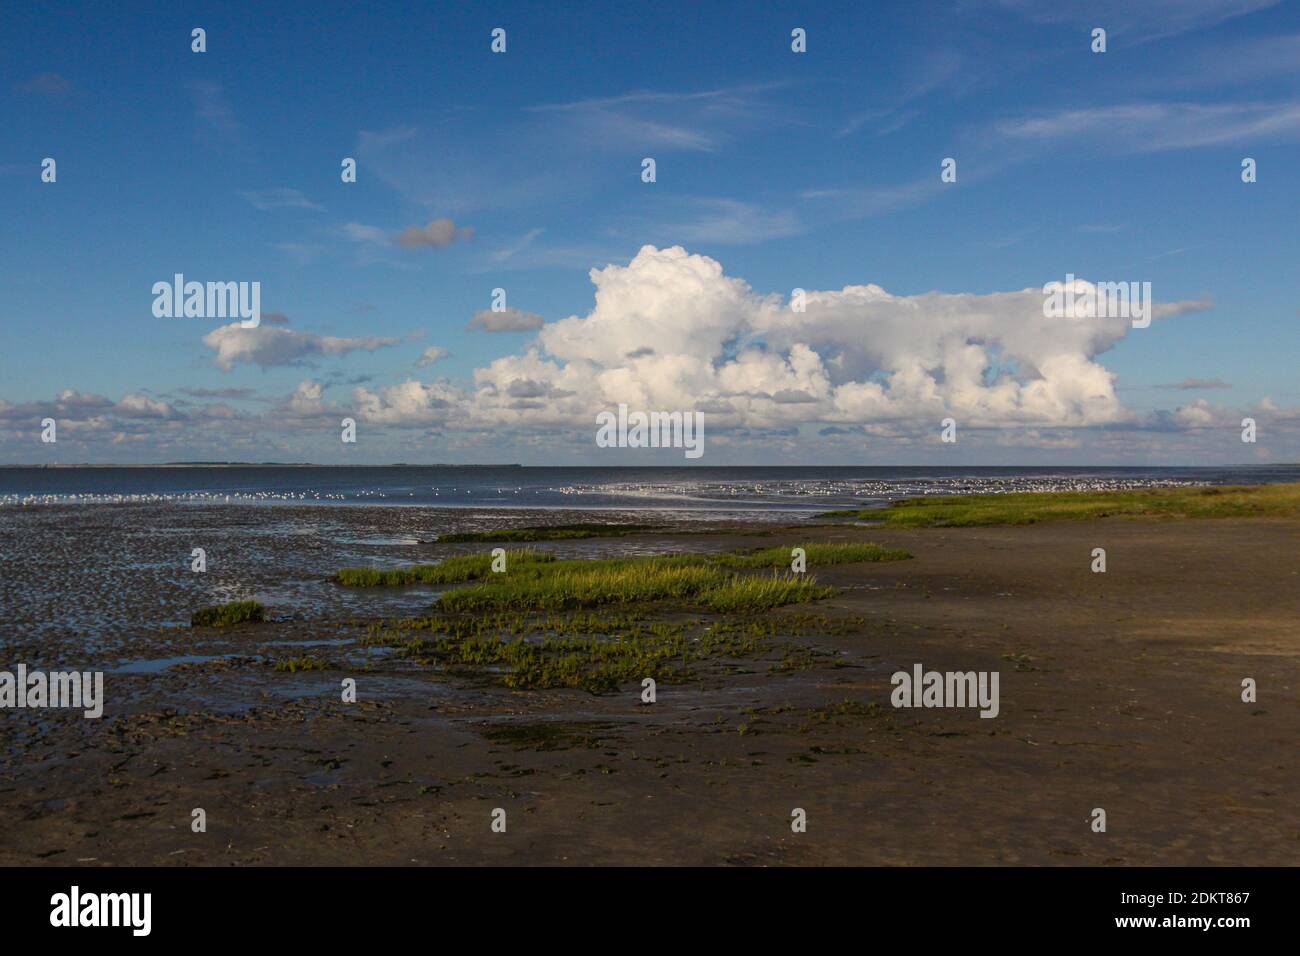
{"x": 817, "y": 170}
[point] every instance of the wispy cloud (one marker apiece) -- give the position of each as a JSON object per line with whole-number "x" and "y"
{"x": 731, "y": 222}
{"x": 360, "y": 232}
{"x": 1132, "y": 23}
{"x": 1192, "y": 384}
{"x": 303, "y": 253}
{"x": 858, "y": 203}
{"x": 1133, "y": 128}
{"x": 453, "y": 168}
{"x": 50, "y": 86}
{"x": 1223, "y": 62}
{"x": 232, "y": 393}
{"x": 215, "y": 116}
{"x": 530, "y": 252}
{"x": 507, "y": 320}
{"x": 701, "y": 120}
{"x": 1150, "y": 127}
{"x": 730, "y": 97}
{"x": 693, "y": 120}
{"x": 278, "y": 198}
{"x": 508, "y": 252}
{"x": 883, "y": 122}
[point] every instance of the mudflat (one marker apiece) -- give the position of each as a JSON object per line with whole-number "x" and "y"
{"x": 1119, "y": 690}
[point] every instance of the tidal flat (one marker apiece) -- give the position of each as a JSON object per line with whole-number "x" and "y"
{"x": 523, "y": 690}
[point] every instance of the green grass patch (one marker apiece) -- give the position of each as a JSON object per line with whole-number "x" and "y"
{"x": 752, "y": 593}
{"x": 224, "y": 615}
{"x": 695, "y": 580}
{"x": 598, "y": 663}
{"x": 958, "y": 511}
{"x": 600, "y": 624}
{"x": 453, "y": 570}
{"x": 558, "y": 532}
{"x": 817, "y": 555}
{"x": 293, "y": 665}
{"x": 597, "y": 652}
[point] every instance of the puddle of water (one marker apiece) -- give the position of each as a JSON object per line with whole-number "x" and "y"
{"x": 371, "y": 687}
{"x": 379, "y": 540}
{"x": 162, "y": 663}
{"x": 320, "y": 642}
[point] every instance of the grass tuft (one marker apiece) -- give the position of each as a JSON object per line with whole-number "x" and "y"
{"x": 960, "y": 511}
{"x": 696, "y": 580}
{"x": 750, "y": 594}
{"x": 817, "y": 555}
{"x": 559, "y": 532}
{"x": 224, "y": 615}
{"x": 292, "y": 665}
{"x": 453, "y": 570}
{"x": 598, "y": 652}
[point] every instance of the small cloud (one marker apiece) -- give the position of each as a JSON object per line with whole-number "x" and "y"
{"x": 883, "y": 121}
{"x": 1156, "y": 126}
{"x": 436, "y": 235}
{"x": 1175, "y": 252}
{"x": 214, "y": 114}
{"x": 433, "y": 353}
{"x": 507, "y": 320}
{"x": 1164, "y": 310}
{"x": 139, "y": 405}
{"x": 279, "y": 198}
{"x": 859, "y": 120}
{"x": 503, "y": 255}
{"x": 1188, "y": 384}
{"x": 274, "y": 344}
{"x": 738, "y": 223}
{"x": 49, "y": 85}
{"x": 359, "y": 232}
{"x": 218, "y": 392}
{"x": 305, "y": 402}
{"x": 303, "y": 253}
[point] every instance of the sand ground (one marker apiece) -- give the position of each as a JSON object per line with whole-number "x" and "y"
{"x": 1119, "y": 690}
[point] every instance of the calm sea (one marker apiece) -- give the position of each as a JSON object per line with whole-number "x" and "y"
{"x": 697, "y": 488}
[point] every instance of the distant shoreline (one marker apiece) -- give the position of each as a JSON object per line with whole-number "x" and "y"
{"x": 403, "y": 464}
{"x": 255, "y": 464}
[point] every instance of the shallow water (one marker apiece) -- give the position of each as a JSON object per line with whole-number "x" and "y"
{"x": 685, "y": 490}
{"x": 89, "y": 578}
{"x": 90, "y": 557}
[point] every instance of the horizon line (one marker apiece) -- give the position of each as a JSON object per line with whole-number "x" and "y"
{"x": 683, "y": 467}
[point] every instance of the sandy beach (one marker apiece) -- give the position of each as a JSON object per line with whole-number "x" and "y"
{"x": 1119, "y": 691}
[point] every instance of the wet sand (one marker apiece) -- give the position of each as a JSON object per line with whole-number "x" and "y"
{"x": 1118, "y": 690}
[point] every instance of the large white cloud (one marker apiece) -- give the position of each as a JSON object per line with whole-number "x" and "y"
{"x": 663, "y": 300}
{"x": 672, "y": 331}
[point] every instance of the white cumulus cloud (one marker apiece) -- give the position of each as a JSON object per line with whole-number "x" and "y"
{"x": 271, "y": 343}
